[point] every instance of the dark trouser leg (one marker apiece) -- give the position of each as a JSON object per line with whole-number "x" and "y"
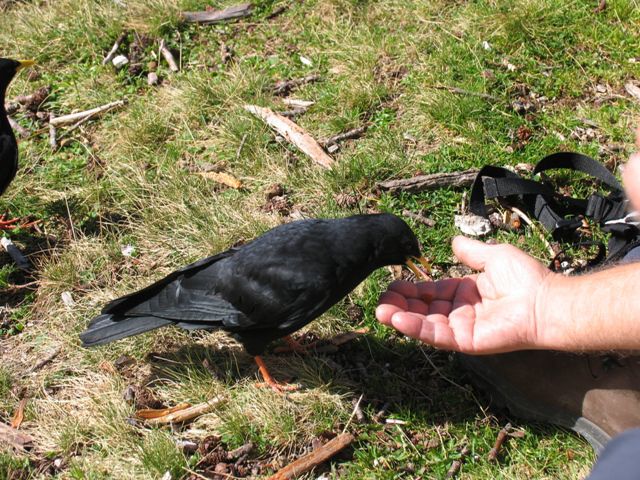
{"x": 620, "y": 459}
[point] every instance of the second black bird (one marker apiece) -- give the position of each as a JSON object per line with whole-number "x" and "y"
{"x": 266, "y": 289}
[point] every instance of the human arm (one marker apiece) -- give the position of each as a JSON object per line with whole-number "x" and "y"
{"x": 516, "y": 303}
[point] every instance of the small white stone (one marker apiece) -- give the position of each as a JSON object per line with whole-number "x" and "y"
{"x": 120, "y": 61}
{"x": 67, "y": 299}
{"x": 486, "y": 45}
{"x": 306, "y": 61}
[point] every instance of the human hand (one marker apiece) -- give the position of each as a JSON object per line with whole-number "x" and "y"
{"x": 490, "y": 312}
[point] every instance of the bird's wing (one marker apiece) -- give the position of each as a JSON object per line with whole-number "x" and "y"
{"x": 8, "y": 160}
{"x": 128, "y": 302}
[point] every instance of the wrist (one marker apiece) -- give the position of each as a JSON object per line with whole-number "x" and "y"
{"x": 553, "y": 314}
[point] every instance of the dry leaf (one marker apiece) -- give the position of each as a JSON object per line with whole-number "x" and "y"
{"x": 345, "y": 337}
{"x": 223, "y": 178}
{"x": 18, "y": 417}
{"x": 149, "y": 413}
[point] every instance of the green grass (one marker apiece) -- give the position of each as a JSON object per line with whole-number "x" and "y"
{"x": 121, "y": 180}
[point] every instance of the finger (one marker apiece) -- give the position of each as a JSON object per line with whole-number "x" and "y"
{"x": 389, "y": 304}
{"x": 631, "y": 179}
{"x": 438, "y": 334}
{"x": 440, "y": 307}
{"x": 472, "y": 253}
{"x": 417, "y": 306}
{"x": 404, "y": 288}
{"x": 440, "y": 290}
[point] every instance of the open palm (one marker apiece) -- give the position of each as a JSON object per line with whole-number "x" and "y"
{"x": 491, "y": 312}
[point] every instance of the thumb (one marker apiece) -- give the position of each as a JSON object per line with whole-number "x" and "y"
{"x": 472, "y": 253}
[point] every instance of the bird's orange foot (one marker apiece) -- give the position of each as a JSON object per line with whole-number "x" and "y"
{"x": 14, "y": 223}
{"x": 269, "y": 381}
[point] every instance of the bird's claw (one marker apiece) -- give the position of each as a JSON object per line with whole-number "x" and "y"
{"x": 12, "y": 224}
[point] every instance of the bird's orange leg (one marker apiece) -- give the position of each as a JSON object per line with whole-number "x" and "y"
{"x": 269, "y": 380}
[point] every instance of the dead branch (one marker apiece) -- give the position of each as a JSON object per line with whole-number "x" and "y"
{"x": 19, "y": 129}
{"x": 16, "y": 255}
{"x": 10, "y": 436}
{"x": 168, "y": 56}
{"x": 455, "y": 466}
{"x": 114, "y": 49}
{"x": 188, "y": 413}
{"x": 502, "y": 436}
{"x": 49, "y": 358}
{"x": 53, "y": 141}
{"x": 461, "y": 91}
{"x": 315, "y": 458}
{"x": 418, "y": 217}
{"x": 294, "y": 112}
{"x": 341, "y": 137}
{"x": 292, "y": 133}
{"x": 422, "y": 183}
{"x": 216, "y": 16}
{"x": 74, "y": 117}
{"x": 283, "y": 87}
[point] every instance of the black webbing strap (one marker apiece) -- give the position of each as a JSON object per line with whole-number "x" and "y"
{"x": 560, "y": 214}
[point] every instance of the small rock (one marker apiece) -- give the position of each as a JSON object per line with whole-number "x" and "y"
{"x": 601, "y": 88}
{"x": 187, "y": 446}
{"x": 306, "y": 61}
{"x": 471, "y": 224}
{"x": 486, "y": 45}
{"x": 67, "y": 299}
{"x": 119, "y": 62}
{"x": 274, "y": 190}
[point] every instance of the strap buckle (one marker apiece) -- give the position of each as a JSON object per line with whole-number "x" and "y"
{"x": 632, "y": 218}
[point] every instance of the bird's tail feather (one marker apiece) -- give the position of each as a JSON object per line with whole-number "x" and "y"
{"x": 107, "y": 328}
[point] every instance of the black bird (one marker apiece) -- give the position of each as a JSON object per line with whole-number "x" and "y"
{"x": 8, "y": 144}
{"x": 266, "y": 289}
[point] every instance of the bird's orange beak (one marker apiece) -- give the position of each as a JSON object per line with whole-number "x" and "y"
{"x": 25, "y": 64}
{"x": 420, "y": 273}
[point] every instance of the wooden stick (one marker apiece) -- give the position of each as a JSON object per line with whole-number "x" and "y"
{"x": 460, "y": 91}
{"x": 14, "y": 438}
{"x": 46, "y": 360}
{"x": 341, "y": 137}
{"x": 216, "y": 16}
{"x": 74, "y": 117}
{"x": 315, "y": 458}
{"x": 456, "y": 464}
{"x": 114, "y": 49}
{"x": 292, "y": 133}
{"x": 19, "y": 129}
{"x": 188, "y": 413}
{"x": 53, "y": 141}
{"x": 423, "y": 183}
{"x": 502, "y": 436}
{"x": 16, "y": 255}
{"x": 418, "y": 217}
{"x": 168, "y": 56}
{"x": 283, "y": 87}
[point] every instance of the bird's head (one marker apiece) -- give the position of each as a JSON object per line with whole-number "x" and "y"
{"x": 9, "y": 68}
{"x": 395, "y": 242}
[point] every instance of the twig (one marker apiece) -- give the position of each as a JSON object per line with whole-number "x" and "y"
{"x": 292, "y": 133}
{"x": 283, "y": 87}
{"x": 188, "y": 413}
{"x": 502, "y": 436}
{"x": 18, "y": 440}
{"x": 455, "y": 466}
{"x": 418, "y": 217}
{"x": 422, "y": 183}
{"x": 297, "y": 103}
{"x": 19, "y": 129}
{"x": 216, "y": 16}
{"x": 341, "y": 137}
{"x": 315, "y": 458}
{"x": 49, "y": 358}
{"x": 168, "y": 56}
{"x": 16, "y": 255}
{"x": 278, "y": 11}
{"x": 239, "y": 151}
{"x": 53, "y": 141}
{"x": 114, "y": 49}
{"x": 356, "y": 409}
{"x": 528, "y": 221}
{"x": 294, "y": 112}
{"x": 460, "y": 91}
{"x": 74, "y": 117}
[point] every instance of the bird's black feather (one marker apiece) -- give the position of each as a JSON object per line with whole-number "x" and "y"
{"x": 268, "y": 288}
